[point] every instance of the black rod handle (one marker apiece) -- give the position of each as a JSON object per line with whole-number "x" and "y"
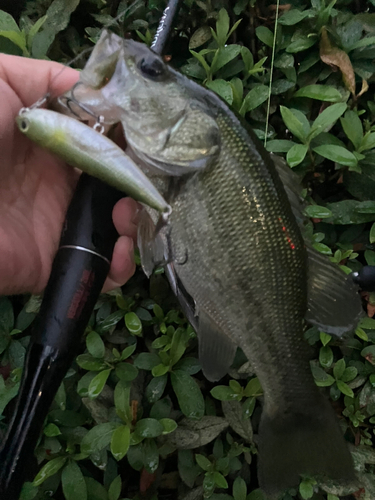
{"x": 78, "y": 273}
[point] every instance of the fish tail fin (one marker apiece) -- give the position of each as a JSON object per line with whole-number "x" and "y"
{"x": 306, "y": 442}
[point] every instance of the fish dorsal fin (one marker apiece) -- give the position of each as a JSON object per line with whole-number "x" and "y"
{"x": 334, "y": 305}
{"x": 150, "y": 243}
{"x": 216, "y": 350}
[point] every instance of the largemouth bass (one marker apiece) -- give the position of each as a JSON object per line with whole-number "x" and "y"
{"x": 235, "y": 247}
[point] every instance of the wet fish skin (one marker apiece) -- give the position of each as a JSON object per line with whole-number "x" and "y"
{"x": 239, "y": 253}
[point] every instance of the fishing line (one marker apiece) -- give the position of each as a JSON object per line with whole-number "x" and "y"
{"x": 271, "y": 73}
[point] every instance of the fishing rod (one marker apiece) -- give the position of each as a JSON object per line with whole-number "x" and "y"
{"x": 79, "y": 270}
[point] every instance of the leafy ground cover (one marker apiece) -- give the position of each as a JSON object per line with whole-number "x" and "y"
{"x": 135, "y": 418}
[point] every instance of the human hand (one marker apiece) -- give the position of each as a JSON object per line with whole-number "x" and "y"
{"x": 36, "y": 188}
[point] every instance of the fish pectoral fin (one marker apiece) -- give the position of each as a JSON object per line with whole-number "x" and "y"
{"x": 216, "y": 349}
{"x": 150, "y": 243}
{"x": 334, "y": 305}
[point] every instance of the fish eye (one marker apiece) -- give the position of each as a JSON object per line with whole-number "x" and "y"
{"x": 152, "y": 67}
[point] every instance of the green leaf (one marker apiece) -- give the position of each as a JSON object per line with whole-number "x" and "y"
{"x": 296, "y": 154}
{"x": 95, "y": 345}
{"x": 256, "y": 495}
{"x": 361, "y": 334}
{"x": 122, "y": 400}
{"x": 150, "y": 455}
{"x": 319, "y": 92}
{"x": 203, "y": 462}
{"x": 322, "y": 379}
{"x": 126, "y": 371}
{"x": 98, "y": 382}
{"x": 87, "y": 362}
{"x": 368, "y": 142}
{"x": 327, "y": 118}
{"x": 168, "y": 424}
{"x": 188, "y": 394}
{"x": 7, "y": 22}
{"x": 352, "y": 126}
{"x": 72, "y": 482}
{"x": 324, "y": 338}
{"x": 224, "y": 56}
{"x": 321, "y": 248}
{"x": 349, "y": 374}
{"x": 220, "y": 480}
{"x": 325, "y": 356}
{"x": 254, "y": 98}
{"x": 222, "y": 27}
{"x": 95, "y": 490}
{"x": 120, "y": 442}
{"x": 160, "y": 370}
{"x": 351, "y": 212}
{"x": 279, "y": 146}
{"x": 344, "y": 388}
{"x": 18, "y": 38}
{"x": 222, "y": 88}
{"x": 339, "y": 369}
{"x": 253, "y": 388}
{"x": 155, "y": 388}
{"x": 114, "y": 490}
{"x": 128, "y": 351}
{"x": 223, "y": 393}
{"x": 294, "y": 124}
{"x": 51, "y": 430}
{"x": 239, "y": 489}
{"x": 265, "y": 35}
{"x": 98, "y": 438}
{"x": 200, "y": 37}
{"x": 300, "y": 43}
{"x": 34, "y": 29}
{"x": 146, "y": 361}
{"x": 133, "y": 323}
{"x": 49, "y": 469}
{"x": 202, "y": 60}
{"x": 178, "y": 346}
{"x": 58, "y": 16}
{"x": 337, "y": 154}
{"x": 317, "y": 212}
{"x": 306, "y": 490}
{"x": 149, "y": 428}
{"x": 293, "y": 16}
{"x": 368, "y": 323}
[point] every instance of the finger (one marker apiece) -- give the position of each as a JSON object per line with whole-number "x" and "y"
{"x": 122, "y": 265}
{"x": 125, "y": 217}
{"x": 30, "y": 79}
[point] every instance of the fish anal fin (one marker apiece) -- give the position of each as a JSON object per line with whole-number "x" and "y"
{"x": 216, "y": 349}
{"x": 334, "y": 305}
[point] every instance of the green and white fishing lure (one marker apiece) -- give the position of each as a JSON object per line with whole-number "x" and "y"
{"x": 90, "y": 151}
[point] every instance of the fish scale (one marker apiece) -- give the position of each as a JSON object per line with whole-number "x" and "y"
{"x": 251, "y": 266}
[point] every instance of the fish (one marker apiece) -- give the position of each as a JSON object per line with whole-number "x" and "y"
{"x": 85, "y": 148}
{"x": 234, "y": 251}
